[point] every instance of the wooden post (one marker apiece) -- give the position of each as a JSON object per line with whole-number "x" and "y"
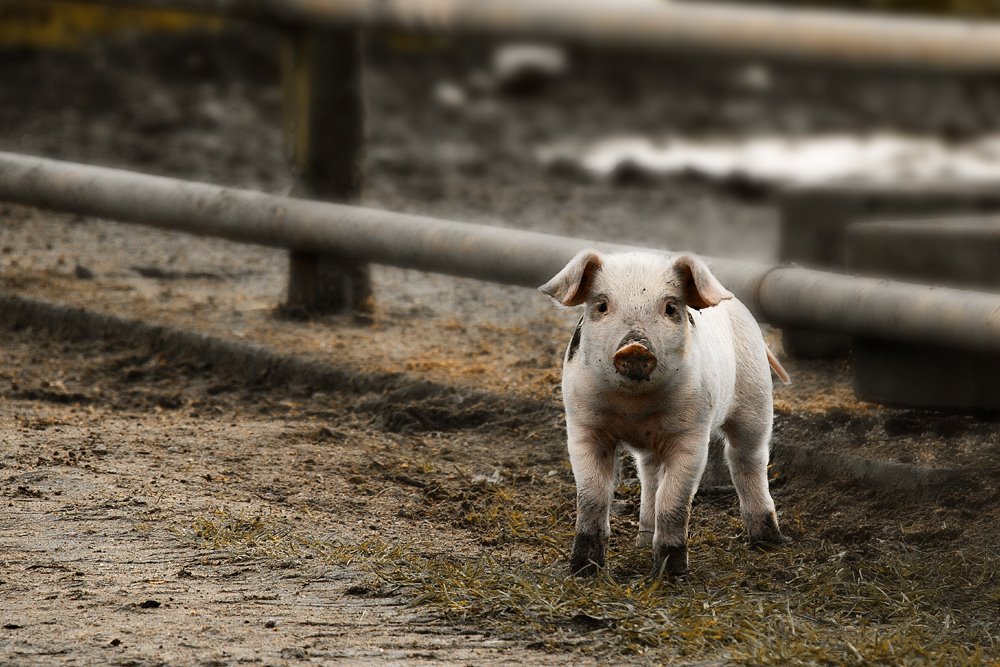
{"x": 324, "y": 140}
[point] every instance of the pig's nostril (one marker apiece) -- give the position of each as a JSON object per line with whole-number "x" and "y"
{"x": 635, "y": 361}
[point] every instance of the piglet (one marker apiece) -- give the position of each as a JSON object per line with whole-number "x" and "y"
{"x": 663, "y": 361}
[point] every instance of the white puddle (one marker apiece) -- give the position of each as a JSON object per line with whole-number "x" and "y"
{"x": 784, "y": 160}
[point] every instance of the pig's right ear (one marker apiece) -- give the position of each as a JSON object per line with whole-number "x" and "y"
{"x": 571, "y": 286}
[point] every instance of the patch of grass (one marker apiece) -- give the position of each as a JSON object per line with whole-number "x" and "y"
{"x": 883, "y": 601}
{"x": 807, "y": 605}
{"x": 815, "y": 602}
{"x": 502, "y": 515}
{"x": 241, "y": 536}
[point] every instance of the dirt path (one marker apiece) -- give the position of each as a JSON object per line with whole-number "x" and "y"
{"x": 210, "y": 531}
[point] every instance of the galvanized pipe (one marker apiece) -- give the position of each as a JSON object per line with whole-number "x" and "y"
{"x": 766, "y": 32}
{"x": 785, "y": 296}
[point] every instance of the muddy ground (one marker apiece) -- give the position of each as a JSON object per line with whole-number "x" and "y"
{"x": 161, "y": 508}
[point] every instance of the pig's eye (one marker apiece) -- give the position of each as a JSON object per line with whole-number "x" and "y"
{"x": 602, "y": 306}
{"x": 671, "y": 309}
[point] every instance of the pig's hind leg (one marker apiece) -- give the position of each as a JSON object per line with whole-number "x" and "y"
{"x": 747, "y": 450}
{"x": 650, "y": 473}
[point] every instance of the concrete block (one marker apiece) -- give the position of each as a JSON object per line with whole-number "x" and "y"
{"x": 962, "y": 253}
{"x": 924, "y": 376}
{"x": 814, "y": 221}
{"x": 959, "y": 252}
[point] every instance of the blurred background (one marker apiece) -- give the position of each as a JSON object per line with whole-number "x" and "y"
{"x": 655, "y": 148}
{"x": 725, "y": 151}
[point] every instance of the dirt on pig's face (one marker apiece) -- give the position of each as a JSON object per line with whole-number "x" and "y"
{"x": 635, "y": 328}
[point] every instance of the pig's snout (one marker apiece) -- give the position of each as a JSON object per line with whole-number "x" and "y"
{"x": 634, "y": 359}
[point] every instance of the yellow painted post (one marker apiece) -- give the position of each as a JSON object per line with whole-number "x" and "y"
{"x": 324, "y": 139}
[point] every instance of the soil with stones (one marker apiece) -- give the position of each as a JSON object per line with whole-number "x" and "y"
{"x": 161, "y": 510}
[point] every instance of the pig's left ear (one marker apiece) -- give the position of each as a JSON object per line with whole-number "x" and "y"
{"x": 571, "y": 286}
{"x": 701, "y": 288}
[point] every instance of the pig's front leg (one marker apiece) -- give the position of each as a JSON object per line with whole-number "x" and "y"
{"x": 684, "y": 463}
{"x": 593, "y": 459}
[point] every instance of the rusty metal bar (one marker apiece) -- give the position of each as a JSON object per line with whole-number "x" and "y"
{"x": 785, "y": 296}
{"x": 760, "y": 31}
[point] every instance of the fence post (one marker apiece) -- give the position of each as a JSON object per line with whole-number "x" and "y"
{"x": 324, "y": 141}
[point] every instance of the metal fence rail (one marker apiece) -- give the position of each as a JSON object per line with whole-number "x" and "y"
{"x": 785, "y": 296}
{"x": 768, "y": 32}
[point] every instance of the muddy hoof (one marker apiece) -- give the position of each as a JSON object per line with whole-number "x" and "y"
{"x": 588, "y": 555}
{"x": 670, "y": 561}
{"x": 584, "y": 569}
{"x": 764, "y": 532}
